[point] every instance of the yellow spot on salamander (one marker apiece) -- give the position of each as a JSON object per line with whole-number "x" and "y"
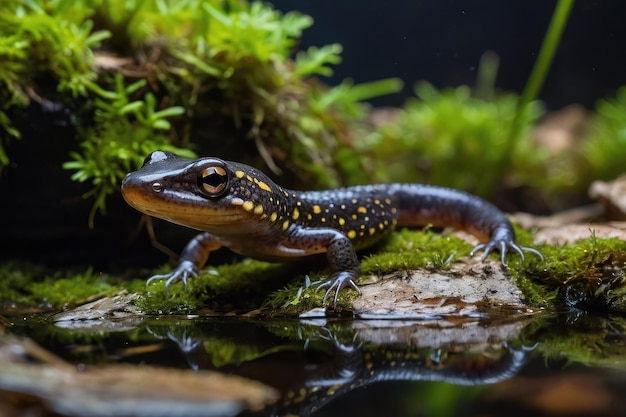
{"x": 317, "y": 209}
{"x": 372, "y": 231}
{"x": 285, "y": 224}
{"x": 362, "y": 209}
{"x": 381, "y": 226}
{"x": 262, "y": 185}
{"x": 354, "y": 217}
{"x": 248, "y": 205}
{"x": 273, "y": 217}
{"x": 388, "y": 201}
{"x": 249, "y": 178}
{"x": 309, "y": 217}
{"x": 239, "y": 174}
{"x": 258, "y": 209}
{"x": 236, "y": 202}
{"x": 351, "y": 234}
{"x": 377, "y": 201}
{"x": 342, "y": 221}
{"x": 296, "y": 214}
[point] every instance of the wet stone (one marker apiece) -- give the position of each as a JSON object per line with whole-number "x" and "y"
{"x": 471, "y": 289}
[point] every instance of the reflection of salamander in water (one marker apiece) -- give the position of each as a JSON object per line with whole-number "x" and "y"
{"x": 239, "y": 207}
{"x": 331, "y": 369}
{"x": 358, "y": 367}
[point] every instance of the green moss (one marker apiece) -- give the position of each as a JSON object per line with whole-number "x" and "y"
{"x": 404, "y": 250}
{"x": 207, "y": 59}
{"x": 240, "y": 284}
{"x": 413, "y": 249}
{"x": 124, "y": 129}
{"x": 607, "y": 138}
{"x": 589, "y": 274}
{"x": 61, "y": 291}
{"x": 300, "y": 295}
{"x": 35, "y": 286}
{"x": 448, "y": 137}
{"x": 14, "y": 280}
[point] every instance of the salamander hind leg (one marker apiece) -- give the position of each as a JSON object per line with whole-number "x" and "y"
{"x": 503, "y": 240}
{"x": 342, "y": 259}
{"x": 337, "y": 282}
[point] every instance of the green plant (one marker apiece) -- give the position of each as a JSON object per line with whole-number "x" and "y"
{"x": 34, "y": 286}
{"x": 529, "y": 95}
{"x": 452, "y": 138}
{"x": 589, "y": 274}
{"x": 606, "y": 141}
{"x": 214, "y": 59}
{"x": 123, "y": 131}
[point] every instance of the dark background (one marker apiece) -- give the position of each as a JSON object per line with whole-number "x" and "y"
{"x": 442, "y": 41}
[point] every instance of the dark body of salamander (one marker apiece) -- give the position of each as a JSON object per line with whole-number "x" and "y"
{"x": 239, "y": 207}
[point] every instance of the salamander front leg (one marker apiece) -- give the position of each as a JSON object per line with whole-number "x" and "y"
{"x": 192, "y": 259}
{"x": 344, "y": 266}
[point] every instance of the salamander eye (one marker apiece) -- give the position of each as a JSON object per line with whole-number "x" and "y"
{"x": 213, "y": 181}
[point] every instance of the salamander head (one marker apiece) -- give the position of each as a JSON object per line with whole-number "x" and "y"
{"x": 205, "y": 194}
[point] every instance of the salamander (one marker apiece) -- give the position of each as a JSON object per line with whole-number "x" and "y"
{"x": 239, "y": 207}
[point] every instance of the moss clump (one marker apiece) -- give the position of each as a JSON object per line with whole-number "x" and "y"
{"x": 413, "y": 249}
{"x": 404, "y": 250}
{"x": 127, "y": 68}
{"x": 227, "y": 285}
{"x": 606, "y": 141}
{"x": 590, "y": 274}
{"x": 300, "y": 295}
{"x": 237, "y": 285}
{"x": 448, "y": 137}
{"x": 34, "y": 286}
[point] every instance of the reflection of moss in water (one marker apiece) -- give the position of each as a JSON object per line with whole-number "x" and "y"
{"x": 580, "y": 337}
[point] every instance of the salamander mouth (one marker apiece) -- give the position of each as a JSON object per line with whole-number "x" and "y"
{"x": 196, "y": 214}
{"x": 195, "y": 219}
